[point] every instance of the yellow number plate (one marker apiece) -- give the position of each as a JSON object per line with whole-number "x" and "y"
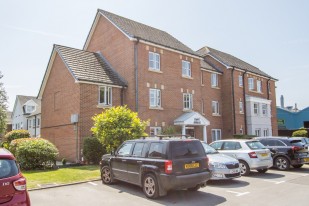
{"x": 264, "y": 154}
{"x": 306, "y": 159}
{"x": 192, "y": 165}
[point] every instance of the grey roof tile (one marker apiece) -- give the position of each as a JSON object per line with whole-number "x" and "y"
{"x": 138, "y": 30}
{"x": 231, "y": 61}
{"x": 89, "y": 66}
{"x": 207, "y": 66}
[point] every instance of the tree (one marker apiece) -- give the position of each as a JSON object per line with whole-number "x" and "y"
{"x": 117, "y": 124}
{"x": 300, "y": 133}
{"x": 3, "y": 107}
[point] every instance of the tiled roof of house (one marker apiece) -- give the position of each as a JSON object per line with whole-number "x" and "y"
{"x": 23, "y": 99}
{"x": 138, "y": 30}
{"x": 207, "y": 66}
{"x": 231, "y": 61}
{"x": 89, "y": 66}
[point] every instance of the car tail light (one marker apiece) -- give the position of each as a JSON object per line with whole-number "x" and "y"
{"x": 20, "y": 184}
{"x": 168, "y": 166}
{"x": 207, "y": 161}
{"x": 252, "y": 155}
{"x": 296, "y": 148}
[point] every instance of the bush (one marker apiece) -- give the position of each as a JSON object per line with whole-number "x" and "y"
{"x": 300, "y": 133}
{"x": 34, "y": 153}
{"x": 93, "y": 150}
{"x": 16, "y": 134}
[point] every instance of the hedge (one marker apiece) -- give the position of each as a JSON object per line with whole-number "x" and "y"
{"x": 16, "y": 134}
{"x": 93, "y": 150}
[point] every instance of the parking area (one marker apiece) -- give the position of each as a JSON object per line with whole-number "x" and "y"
{"x": 272, "y": 188}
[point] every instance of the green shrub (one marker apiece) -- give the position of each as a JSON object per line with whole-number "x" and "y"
{"x": 16, "y": 134}
{"x": 93, "y": 150}
{"x": 64, "y": 161}
{"x": 34, "y": 153}
{"x": 300, "y": 133}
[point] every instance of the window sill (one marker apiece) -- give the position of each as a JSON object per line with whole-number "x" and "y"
{"x": 187, "y": 77}
{"x": 215, "y": 87}
{"x": 187, "y": 110}
{"x": 156, "y": 108}
{"x": 241, "y": 113}
{"x": 216, "y": 115}
{"x": 103, "y": 106}
{"x": 253, "y": 91}
{"x": 155, "y": 71}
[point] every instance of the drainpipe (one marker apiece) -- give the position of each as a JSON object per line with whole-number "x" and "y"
{"x": 244, "y": 100}
{"x": 35, "y": 125}
{"x": 233, "y": 101}
{"x": 268, "y": 88}
{"x": 136, "y": 72}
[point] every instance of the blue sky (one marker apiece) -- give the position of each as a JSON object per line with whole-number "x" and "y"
{"x": 271, "y": 35}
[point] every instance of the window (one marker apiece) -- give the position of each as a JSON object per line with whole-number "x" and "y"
{"x": 105, "y": 95}
{"x": 138, "y": 149}
{"x": 29, "y": 123}
{"x": 265, "y": 132}
{"x": 241, "y": 131}
{"x": 186, "y": 68}
{"x": 214, "y": 80}
{"x": 251, "y": 84}
{"x": 33, "y": 123}
{"x": 183, "y": 149}
{"x": 240, "y": 81}
{"x": 258, "y": 132}
{"x": 8, "y": 168}
{"x": 125, "y": 149}
{"x": 203, "y": 111}
{"x": 215, "y": 107}
{"x": 255, "y": 145}
{"x": 30, "y": 109}
{"x": 156, "y": 150}
{"x": 187, "y": 101}
{"x": 231, "y": 146}
{"x": 154, "y": 131}
{"x": 154, "y": 61}
{"x": 38, "y": 123}
{"x": 259, "y": 86}
{"x": 264, "y": 109}
{"x": 215, "y": 134}
{"x": 155, "y": 98}
{"x": 217, "y": 145}
{"x": 241, "y": 107}
{"x": 255, "y": 108}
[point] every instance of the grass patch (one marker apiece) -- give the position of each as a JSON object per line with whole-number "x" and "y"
{"x": 61, "y": 176}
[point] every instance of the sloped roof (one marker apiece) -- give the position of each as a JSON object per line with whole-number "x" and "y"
{"x": 231, "y": 61}
{"x": 207, "y": 66}
{"x": 138, "y": 30}
{"x": 191, "y": 118}
{"x": 23, "y": 99}
{"x": 89, "y": 66}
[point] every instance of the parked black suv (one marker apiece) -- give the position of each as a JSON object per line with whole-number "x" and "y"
{"x": 158, "y": 164}
{"x": 286, "y": 151}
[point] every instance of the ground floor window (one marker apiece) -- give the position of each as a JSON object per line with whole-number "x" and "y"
{"x": 258, "y": 132}
{"x": 265, "y": 132}
{"x": 215, "y": 134}
{"x": 105, "y": 95}
{"x": 154, "y": 131}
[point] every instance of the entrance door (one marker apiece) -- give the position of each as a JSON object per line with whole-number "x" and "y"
{"x": 190, "y": 131}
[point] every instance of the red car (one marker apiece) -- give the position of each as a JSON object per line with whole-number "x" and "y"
{"x": 13, "y": 187}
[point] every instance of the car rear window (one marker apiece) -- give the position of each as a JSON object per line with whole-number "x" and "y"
{"x": 8, "y": 168}
{"x": 187, "y": 149}
{"x": 156, "y": 150}
{"x": 255, "y": 145}
{"x": 296, "y": 143}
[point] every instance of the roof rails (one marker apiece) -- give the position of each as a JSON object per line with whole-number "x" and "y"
{"x": 180, "y": 136}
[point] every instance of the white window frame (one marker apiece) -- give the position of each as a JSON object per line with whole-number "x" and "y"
{"x": 186, "y": 68}
{"x": 241, "y": 107}
{"x": 264, "y": 109}
{"x": 216, "y": 134}
{"x": 259, "y": 86}
{"x": 265, "y": 132}
{"x": 250, "y": 84}
{"x": 154, "y": 131}
{"x": 30, "y": 108}
{"x": 108, "y": 96}
{"x": 155, "y": 98}
{"x": 38, "y": 122}
{"x": 257, "y": 132}
{"x": 154, "y": 61}
{"x": 214, "y": 80}
{"x": 187, "y": 101}
{"x": 215, "y": 108}
{"x": 240, "y": 81}
{"x": 256, "y": 109}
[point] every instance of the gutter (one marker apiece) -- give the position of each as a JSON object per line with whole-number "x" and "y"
{"x": 268, "y": 88}
{"x": 244, "y": 101}
{"x": 136, "y": 72}
{"x": 233, "y": 101}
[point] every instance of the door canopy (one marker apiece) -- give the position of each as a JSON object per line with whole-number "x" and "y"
{"x": 191, "y": 118}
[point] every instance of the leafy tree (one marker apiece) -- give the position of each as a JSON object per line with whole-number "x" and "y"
{"x": 300, "y": 133}
{"x": 117, "y": 124}
{"x": 3, "y": 107}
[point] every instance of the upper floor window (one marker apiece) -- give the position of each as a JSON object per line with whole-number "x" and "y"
{"x": 240, "y": 81}
{"x": 251, "y": 84}
{"x": 259, "y": 86}
{"x": 30, "y": 109}
{"x": 38, "y": 122}
{"x": 215, "y": 107}
{"x": 241, "y": 107}
{"x": 154, "y": 61}
{"x": 155, "y": 98}
{"x": 264, "y": 109}
{"x": 256, "y": 108}
{"x": 105, "y": 96}
{"x": 186, "y": 68}
{"x": 187, "y": 101}
{"x": 154, "y": 131}
{"x": 214, "y": 80}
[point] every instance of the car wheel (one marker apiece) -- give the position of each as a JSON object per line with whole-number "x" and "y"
{"x": 193, "y": 189}
{"x": 150, "y": 186}
{"x": 106, "y": 175}
{"x": 262, "y": 170}
{"x": 244, "y": 168}
{"x": 282, "y": 163}
{"x": 297, "y": 166}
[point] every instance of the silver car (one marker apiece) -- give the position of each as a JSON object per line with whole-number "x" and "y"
{"x": 252, "y": 154}
{"x": 220, "y": 165}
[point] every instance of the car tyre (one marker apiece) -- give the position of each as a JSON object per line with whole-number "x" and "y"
{"x": 282, "y": 163}
{"x": 150, "y": 186}
{"x": 297, "y": 166}
{"x": 193, "y": 189}
{"x": 106, "y": 175}
{"x": 262, "y": 170}
{"x": 244, "y": 168}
